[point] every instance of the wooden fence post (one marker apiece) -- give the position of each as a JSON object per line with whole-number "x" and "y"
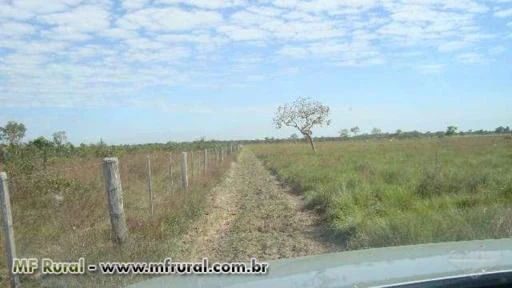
{"x": 205, "y": 161}
{"x": 115, "y": 200}
{"x": 184, "y": 175}
{"x": 191, "y": 165}
{"x": 170, "y": 173}
{"x": 10, "y": 248}
{"x": 150, "y": 185}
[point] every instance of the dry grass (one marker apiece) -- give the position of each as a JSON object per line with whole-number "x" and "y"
{"x": 62, "y": 213}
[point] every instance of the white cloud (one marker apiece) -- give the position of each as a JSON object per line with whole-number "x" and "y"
{"x": 133, "y": 4}
{"x": 503, "y": 13}
{"x": 144, "y": 44}
{"x": 265, "y": 11}
{"x": 87, "y": 18}
{"x": 42, "y": 47}
{"x": 328, "y": 48}
{"x": 286, "y": 3}
{"x": 169, "y": 19}
{"x": 452, "y": 46}
{"x": 16, "y": 29}
{"x": 41, "y": 7}
{"x": 63, "y": 33}
{"x": 24, "y": 60}
{"x": 472, "y": 58}
{"x": 497, "y": 50}
{"x": 89, "y": 48}
{"x": 246, "y": 18}
{"x": 9, "y": 12}
{"x": 199, "y": 38}
{"x": 206, "y": 4}
{"x": 430, "y": 68}
{"x": 318, "y": 6}
{"x": 242, "y": 34}
{"x": 159, "y": 55}
{"x": 290, "y": 51}
{"x": 466, "y": 5}
{"x": 118, "y": 33}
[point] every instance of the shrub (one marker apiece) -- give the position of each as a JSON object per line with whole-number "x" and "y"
{"x": 431, "y": 184}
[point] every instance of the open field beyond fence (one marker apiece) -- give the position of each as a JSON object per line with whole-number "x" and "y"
{"x": 396, "y": 192}
{"x": 61, "y": 212}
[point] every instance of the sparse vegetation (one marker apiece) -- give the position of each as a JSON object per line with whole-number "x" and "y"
{"x": 61, "y": 211}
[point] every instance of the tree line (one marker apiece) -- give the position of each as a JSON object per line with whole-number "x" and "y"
{"x": 304, "y": 114}
{"x": 14, "y": 150}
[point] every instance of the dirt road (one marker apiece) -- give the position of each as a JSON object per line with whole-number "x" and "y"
{"x": 252, "y": 215}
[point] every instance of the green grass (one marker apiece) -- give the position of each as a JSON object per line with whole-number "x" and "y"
{"x": 395, "y": 192}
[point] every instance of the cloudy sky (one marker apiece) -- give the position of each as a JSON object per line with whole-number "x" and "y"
{"x": 134, "y": 71}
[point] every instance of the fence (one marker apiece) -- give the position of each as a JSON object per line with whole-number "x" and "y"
{"x": 67, "y": 203}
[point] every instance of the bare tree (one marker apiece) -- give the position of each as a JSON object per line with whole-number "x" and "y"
{"x": 303, "y": 114}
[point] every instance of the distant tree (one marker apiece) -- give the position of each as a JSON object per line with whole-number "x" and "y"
{"x": 376, "y": 131}
{"x": 3, "y": 151}
{"x": 398, "y": 132}
{"x": 102, "y": 149}
{"x": 451, "y": 130}
{"x": 13, "y": 132}
{"x": 501, "y": 130}
{"x": 303, "y": 114}
{"x": 355, "y": 130}
{"x": 294, "y": 137}
{"x": 59, "y": 138}
{"x": 43, "y": 145}
{"x": 344, "y": 133}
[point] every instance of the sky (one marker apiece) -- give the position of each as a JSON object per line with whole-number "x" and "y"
{"x": 139, "y": 71}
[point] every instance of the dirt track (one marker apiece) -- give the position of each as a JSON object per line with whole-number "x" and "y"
{"x": 252, "y": 215}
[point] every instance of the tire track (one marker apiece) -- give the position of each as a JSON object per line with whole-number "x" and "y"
{"x": 253, "y": 215}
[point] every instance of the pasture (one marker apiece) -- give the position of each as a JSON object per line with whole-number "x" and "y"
{"x": 385, "y": 192}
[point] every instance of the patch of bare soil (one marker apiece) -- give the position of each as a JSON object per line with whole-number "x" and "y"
{"x": 252, "y": 215}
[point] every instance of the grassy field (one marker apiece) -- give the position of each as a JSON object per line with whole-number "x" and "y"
{"x": 395, "y": 192}
{"x": 62, "y": 213}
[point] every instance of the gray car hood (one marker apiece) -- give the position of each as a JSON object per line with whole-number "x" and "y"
{"x": 362, "y": 268}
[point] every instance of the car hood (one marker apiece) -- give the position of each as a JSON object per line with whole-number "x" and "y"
{"x": 369, "y": 267}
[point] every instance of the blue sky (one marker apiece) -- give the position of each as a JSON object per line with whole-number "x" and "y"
{"x": 158, "y": 70}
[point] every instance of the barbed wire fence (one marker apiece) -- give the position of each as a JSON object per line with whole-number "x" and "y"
{"x": 142, "y": 184}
